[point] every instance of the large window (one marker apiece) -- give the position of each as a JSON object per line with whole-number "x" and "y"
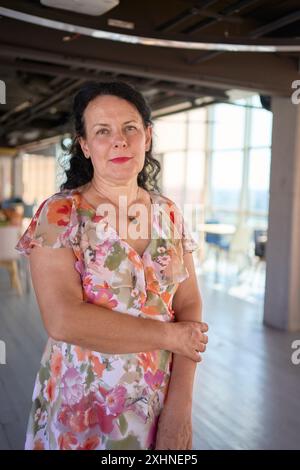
{"x": 38, "y": 177}
{"x": 180, "y": 142}
{"x": 238, "y": 159}
{"x": 259, "y": 175}
{"x": 226, "y": 179}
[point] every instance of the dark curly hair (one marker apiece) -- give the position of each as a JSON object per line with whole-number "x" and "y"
{"x": 80, "y": 170}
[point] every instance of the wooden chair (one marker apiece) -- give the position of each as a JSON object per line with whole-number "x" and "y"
{"x": 9, "y": 236}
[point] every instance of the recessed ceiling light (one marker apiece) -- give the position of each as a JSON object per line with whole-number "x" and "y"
{"x": 120, "y": 23}
{"x": 86, "y": 7}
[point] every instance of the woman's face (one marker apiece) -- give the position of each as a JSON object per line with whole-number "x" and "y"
{"x": 114, "y": 128}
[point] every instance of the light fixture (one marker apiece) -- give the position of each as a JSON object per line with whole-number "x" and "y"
{"x": 120, "y": 24}
{"x": 172, "y": 109}
{"x": 86, "y": 7}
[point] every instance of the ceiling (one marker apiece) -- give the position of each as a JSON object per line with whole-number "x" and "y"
{"x": 43, "y": 66}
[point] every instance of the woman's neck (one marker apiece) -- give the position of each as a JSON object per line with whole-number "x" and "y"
{"x": 112, "y": 192}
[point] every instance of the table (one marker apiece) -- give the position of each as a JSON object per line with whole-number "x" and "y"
{"x": 217, "y": 229}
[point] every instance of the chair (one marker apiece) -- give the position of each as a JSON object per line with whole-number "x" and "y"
{"x": 260, "y": 245}
{"x": 9, "y": 236}
{"x": 260, "y": 241}
{"x": 28, "y": 210}
{"x": 215, "y": 239}
{"x": 239, "y": 247}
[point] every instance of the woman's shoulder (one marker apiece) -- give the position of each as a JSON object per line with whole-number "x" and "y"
{"x": 161, "y": 198}
{"x": 51, "y": 225}
{"x": 56, "y": 208}
{"x": 61, "y": 195}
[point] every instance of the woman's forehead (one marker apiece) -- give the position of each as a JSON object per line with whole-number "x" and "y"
{"x": 111, "y": 108}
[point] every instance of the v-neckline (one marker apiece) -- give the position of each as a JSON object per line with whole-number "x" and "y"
{"x": 124, "y": 242}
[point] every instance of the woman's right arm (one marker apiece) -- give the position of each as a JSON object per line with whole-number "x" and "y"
{"x": 67, "y": 317}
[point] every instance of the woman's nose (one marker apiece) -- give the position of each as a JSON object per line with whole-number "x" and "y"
{"x": 120, "y": 141}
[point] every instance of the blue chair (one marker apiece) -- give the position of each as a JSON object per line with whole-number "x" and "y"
{"x": 28, "y": 210}
{"x": 215, "y": 239}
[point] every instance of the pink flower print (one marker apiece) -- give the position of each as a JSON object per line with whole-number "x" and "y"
{"x": 105, "y": 421}
{"x": 72, "y": 386}
{"x": 67, "y": 441}
{"x": 161, "y": 249}
{"x": 103, "y": 249}
{"x": 154, "y": 380}
{"x": 104, "y": 298}
{"x": 90, "y": 443}
{"x": 77, "y": 418}
{"x": 114, "y": 400}
{"x": 79, "y": 266}
{"x": 163, "y": 260}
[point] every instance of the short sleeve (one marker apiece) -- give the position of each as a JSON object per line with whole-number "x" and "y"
{"x": 50, "y": 225}
{"x": 189, "y": 244}
{"x": 182, "y": 231}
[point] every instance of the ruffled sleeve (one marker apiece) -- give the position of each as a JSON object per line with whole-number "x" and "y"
{"x": 189, "y": 244}
{"x": 166, "y": 264}
{"x": 50, "y": 225}
{"x": 182, "y": 230}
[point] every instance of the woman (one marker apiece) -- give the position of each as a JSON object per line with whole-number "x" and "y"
{"x": 121, "y": 306}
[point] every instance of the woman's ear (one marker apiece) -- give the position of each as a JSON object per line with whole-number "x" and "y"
{"x": 84, "y": 147}
{"x": 148, "y": 138}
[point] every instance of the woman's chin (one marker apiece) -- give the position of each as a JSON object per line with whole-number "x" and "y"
{"x": 124, "y": 174}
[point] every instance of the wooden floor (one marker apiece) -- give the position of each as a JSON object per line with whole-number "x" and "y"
{"x": 247, "y": 391}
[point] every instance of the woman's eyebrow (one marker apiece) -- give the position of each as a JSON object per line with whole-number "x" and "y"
{"x": 101, "y": 124}
{"x": 108, "y": 125}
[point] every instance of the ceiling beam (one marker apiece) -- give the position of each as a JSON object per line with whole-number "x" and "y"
{"x": 149, "y": 72}
{"x": 185, "y": 15}
{"x": 57, "y": 71}
{"x": 225, "y": 13}
{"x": 256, "y": 33}
{"x": 38, "y": 109}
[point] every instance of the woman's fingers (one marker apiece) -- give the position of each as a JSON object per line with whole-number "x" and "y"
{"x": 204, "y": 339}
{"x": 196, "y": 356}
{"x": 203, "y": 327}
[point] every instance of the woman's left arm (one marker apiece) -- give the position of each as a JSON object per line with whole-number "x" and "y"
{"x": 175, "y": 421}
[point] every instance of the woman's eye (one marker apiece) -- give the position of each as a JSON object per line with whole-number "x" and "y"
{"x": 102, "y": 131}
{"x": 131, "y": 128}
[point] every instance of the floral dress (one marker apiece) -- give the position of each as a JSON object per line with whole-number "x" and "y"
{"x": 85, "y": 399}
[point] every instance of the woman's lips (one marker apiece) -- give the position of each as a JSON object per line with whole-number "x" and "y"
{"x": 121, "y": 159}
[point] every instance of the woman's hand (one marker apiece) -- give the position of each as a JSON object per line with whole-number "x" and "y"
{"x": 188, "y": 338}
{"x": 174, "y": 428}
